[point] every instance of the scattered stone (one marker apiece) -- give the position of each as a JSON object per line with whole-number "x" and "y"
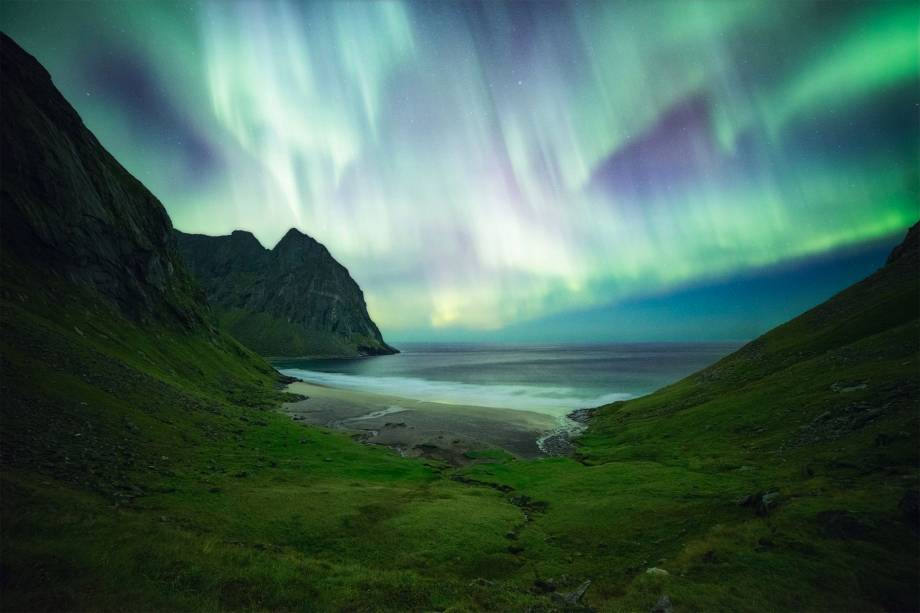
{"x": 883, "y": 440}
{"x": 663, "y": 605}
{"x": 659, "y": 572}
{"x": 572, "y": 598}
{"x": 767, "y": 503}
{"x": 763, "y": 503}
{"x": 844, "y": 388}
{"x": 582, "y": 416}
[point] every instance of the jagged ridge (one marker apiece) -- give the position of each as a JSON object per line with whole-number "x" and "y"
{"x": 293, "y": 300}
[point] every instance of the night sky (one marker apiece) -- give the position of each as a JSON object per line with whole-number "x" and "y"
{"x": 530, "y": 171}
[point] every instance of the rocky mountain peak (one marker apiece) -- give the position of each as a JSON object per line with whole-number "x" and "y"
{"x": 292, "y": 300}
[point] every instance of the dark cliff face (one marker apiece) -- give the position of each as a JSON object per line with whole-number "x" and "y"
{"x": 292, "y": 300}
{"x": 70, "y": 209}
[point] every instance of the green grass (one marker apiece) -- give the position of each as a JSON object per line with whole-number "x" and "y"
{"x": 271, "y": 336}
{"x": 143, "y": 468}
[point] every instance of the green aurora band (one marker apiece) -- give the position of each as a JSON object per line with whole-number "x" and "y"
{"x": 480, "y": 165}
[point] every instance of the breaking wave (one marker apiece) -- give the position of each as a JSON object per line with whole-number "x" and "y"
{"x": 555, "y": 401}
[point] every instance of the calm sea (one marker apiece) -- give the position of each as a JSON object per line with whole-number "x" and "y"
{"x": 552, "y": 379}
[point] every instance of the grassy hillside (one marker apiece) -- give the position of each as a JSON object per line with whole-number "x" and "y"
{"x": 142, "y": 469}
{"x": 783, "y": 477}
{"x": 131, "y": 484}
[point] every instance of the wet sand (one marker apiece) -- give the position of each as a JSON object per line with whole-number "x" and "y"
{"x": 419, "y": 428}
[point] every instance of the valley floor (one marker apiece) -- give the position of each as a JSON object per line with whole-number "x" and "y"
{"x": 144, "y": 469}
{"x": 416, "y": 428}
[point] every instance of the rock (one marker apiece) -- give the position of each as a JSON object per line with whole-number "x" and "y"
{"x": 763, "y": 503}
{"x": 294, "y": 299}
{"x": 572, "y": 598}
{"x": 582, "y": 416}
{"x": 659, "y": 572}
{"x": 847, "y": 387}
{"x": 767, "y": 503}
{"x": 663, "y": 605}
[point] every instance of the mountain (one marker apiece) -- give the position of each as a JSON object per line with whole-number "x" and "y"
{"x": 100, "y": 323}
{"x": 143, "y": 466}
{"x": 72, "y": 211}
{"x": 293, "y": 300}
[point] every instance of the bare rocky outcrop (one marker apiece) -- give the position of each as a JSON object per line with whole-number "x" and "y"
{"x": 69, "y": 209}
{"x": 292, "y": 300}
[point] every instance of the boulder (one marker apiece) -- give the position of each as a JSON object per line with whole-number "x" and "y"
{"x": 663, "y": 605}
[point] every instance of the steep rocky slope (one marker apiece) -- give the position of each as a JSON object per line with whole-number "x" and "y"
{"x": 72, "y": 211}
{"x": 293, "y": 300}
{"x": 100, "y": 323}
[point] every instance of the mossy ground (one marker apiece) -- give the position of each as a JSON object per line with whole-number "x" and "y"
{"x": 143, "y": 468}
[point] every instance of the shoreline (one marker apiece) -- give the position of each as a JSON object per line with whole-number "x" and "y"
{"x": 414, "y": 428}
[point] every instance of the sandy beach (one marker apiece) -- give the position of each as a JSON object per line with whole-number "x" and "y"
{"x": 419, "y": 428}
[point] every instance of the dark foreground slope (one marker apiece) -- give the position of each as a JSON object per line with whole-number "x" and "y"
{"x": 293, "y": 300}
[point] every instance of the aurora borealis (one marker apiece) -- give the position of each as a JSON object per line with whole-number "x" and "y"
{"x": 481, "y": 166}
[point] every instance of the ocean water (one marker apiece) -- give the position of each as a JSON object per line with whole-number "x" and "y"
{"x": 552, "y": 379}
